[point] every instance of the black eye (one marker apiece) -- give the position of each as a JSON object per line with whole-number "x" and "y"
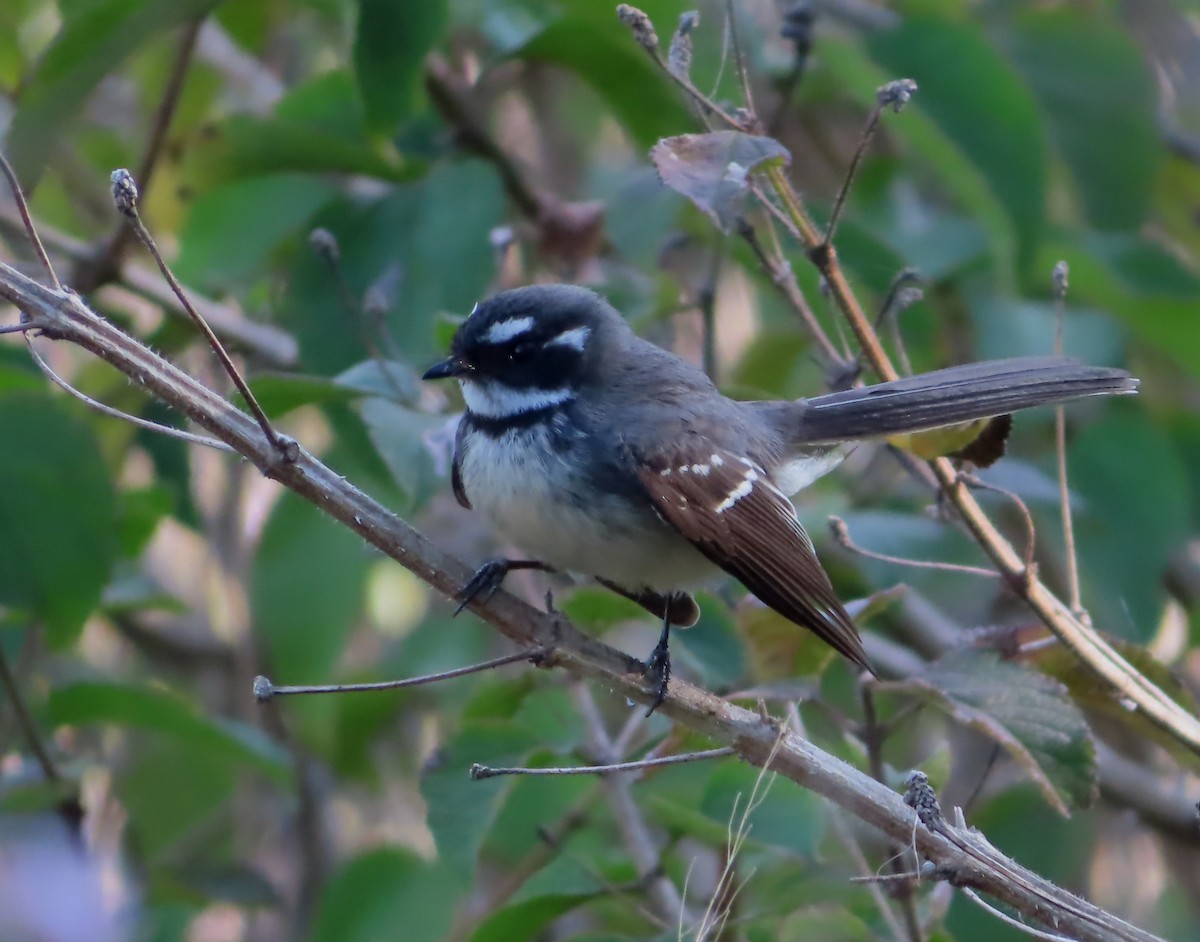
{"x": 522, "y": 351}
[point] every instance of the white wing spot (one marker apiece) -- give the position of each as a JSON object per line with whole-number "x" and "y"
{"x": 505, "y": 330}
{"x": 701, "y": 469}
{"x": 742, "y": 490}
{"x": 666, "y": 472}
{"x": 717, "y": 460}
{"x": 575, "y": 338}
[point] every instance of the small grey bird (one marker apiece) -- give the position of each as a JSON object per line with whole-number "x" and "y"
{"x": 601, "y": 454}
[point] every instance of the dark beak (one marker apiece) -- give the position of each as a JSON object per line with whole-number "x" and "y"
{"x": 447, "y": 368}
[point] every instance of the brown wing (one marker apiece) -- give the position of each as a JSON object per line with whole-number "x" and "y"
{"x": 730, "y": 511}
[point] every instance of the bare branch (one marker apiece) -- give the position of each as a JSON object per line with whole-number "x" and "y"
{"x": 105, "y": 409}
{"x": 265, "y": 688}
{"x": 125, "y": 196}
{"x": 1061, "y": 277}
{"x": 479, "y": 771}
{"x": 841, "y": 535}
{"x": 31, "y": 232}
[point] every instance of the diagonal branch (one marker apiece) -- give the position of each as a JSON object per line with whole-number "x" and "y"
{"x": 959, "y": 855}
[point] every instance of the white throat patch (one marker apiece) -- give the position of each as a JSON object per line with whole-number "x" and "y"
{"x": 505, "y": 330}
{"x": 495, "y": 400}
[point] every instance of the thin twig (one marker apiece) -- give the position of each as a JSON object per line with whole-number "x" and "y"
{"x": 265, "y": 689}
{"x": 1022, "y": 508}
{"x": 1074, "y": 599}
{"x": 873, "y": 736}
{"x": 159, "y": 125}
{"x": 1016, "y": 923}
{"x": 325, "y": 246}
{"x": 743, "y": 74}
{"x": 486, "y": 771}
{"x": 25, "y": 721}
{"x": 16, "y": 329}
{"x": 31, "y": 232}
{"x": 125, "y": 196}
{"x": 105, "y": 409}
{"x": 640, "y": 843}
{"x": 895, "y": 94}
{"x": 784, "y": 279}
{"x": 841, "y": 535}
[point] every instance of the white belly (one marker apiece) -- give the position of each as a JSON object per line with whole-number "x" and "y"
{"x": 512, "y": 486}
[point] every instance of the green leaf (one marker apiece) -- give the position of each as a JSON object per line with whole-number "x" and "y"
{"x": 949, "y": 165}
{"x": 527, "y": 919}
{"x": 58, "y": 513}
{"x": 1031, "y": 716}
{"x": 233, "y": 228}
{"x": 590, "y": 41}
{"x": 460, "y": 811}
{"x": 980, "y": 104}
{"x": 781, "y": 814}
{"x": 713, "y": 647}
{"x": 597, "y": 609}
{"x": 318, "y": 127}
{"x": 713, "y": 170}
{"x": 1094, "y": 86}
{"x": 1098, "y": 695}
{"x": 386, "y": 894}
{"x": 306, "y": 590}
{"x": 1123, "y": 587}
{"x": 162, "y": 711}
{"x": 94, "y": 40}
{"x": 141, "y": 510}
{"x": 403, "y": 439}
{"x": 389, "y": 51}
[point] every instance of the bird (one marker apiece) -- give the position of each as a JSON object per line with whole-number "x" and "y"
{"x": 603, "y": 455}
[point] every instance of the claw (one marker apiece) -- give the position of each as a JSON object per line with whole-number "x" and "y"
{"x": 485, "y": 582}
{"x": 658, "y": 668}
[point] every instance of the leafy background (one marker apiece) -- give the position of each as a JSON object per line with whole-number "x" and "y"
{"x": 143, "y": 583}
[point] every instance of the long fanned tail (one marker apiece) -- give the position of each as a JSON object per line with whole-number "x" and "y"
{"x": 957, "y": 394}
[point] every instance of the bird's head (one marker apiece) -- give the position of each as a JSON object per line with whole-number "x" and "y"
{"x": 528, "y": 349}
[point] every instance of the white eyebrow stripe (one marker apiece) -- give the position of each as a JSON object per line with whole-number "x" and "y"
{"x": 505, "y": 330}
{"x": 495, "y": 400}
{"x": 575, "y": 338}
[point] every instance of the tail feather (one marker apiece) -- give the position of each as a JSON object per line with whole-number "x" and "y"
{"x": 957, "y": 394}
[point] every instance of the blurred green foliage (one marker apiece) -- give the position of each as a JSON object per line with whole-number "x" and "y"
{"x": 143, "y": 583}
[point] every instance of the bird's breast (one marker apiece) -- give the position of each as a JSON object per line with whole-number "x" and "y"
{"x": 534, "y": 486}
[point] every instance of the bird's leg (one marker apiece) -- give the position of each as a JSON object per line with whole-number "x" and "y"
{"x": 658, "y": 665}
{"x": 490, "y": 575}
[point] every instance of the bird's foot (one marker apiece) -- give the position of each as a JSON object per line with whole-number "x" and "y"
{"x": 658, "y": 672}
{"x": 489, "y": 577}
{"x": 485, "y": 582}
